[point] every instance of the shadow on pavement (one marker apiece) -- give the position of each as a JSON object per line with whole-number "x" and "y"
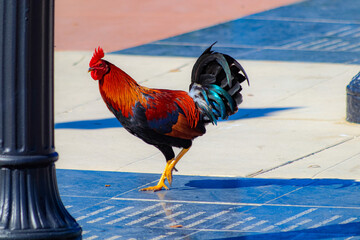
{"x": 259, "y": 182}
{"x": 114, "y": 123}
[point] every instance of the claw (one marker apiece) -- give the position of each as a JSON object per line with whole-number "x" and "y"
{"x": 167, "y": 174}
{"x": 156, "y": 188}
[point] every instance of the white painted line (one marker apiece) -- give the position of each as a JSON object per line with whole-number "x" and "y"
{"x": 254, "y": 225}
{"x": 325, "y": 44}
{"x": 206, "y": 219}
{"x": 145, "y": 218}
{"x": 196, "y": 223}
{"x": 166, "y": 217}
{"x": 91, "y": 238}
{"x": 193, "y": 216}
{"x": 349, "y": 220}
{"x": 96, "y": 220}
{"x": 184, "y": 201}
{"x": 144, "y": 210}
{"x": 110, "y": 214}
{"x": 217, "y": 214}
{"x": 175, "y": 214}
{"x": 152, "y": 215}
{"x": 133, "y": 214}
{"x": 94, "y": 213}
{"x": 238, "y": 223}
{"x": 337, "y": 31}
{"x": 296, "y": 225}
{"x": 163, "y": 236}
{"x": 142, "y": 219}
{"x": 235, "y": 203}
{"x": 326, "y": 221}
{"x": 85, "y": 232}
{"x": 342, "y": 44}
{"x": 186, "y": 218}
{"x": 163, "y": 219}
{"x": 290, "y": 45}
{"x": 113, "y": 237}
{"x": 305, "y": 45}
{"x": 349, "y": 47}
{"x": 68, "y": 206}
{"x": 153, "y": 223}
{"x": 295, "y": 216}
{"x": 268, "y": 228}
{"x": 120, "y": 211}
{"x": 349, "y": 238}
{"x": 173, "y": 207}
{"x": 347, "y": 33}
{"x": 117, "y": 220}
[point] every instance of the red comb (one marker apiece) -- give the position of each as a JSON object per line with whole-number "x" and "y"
{"x": 98, "y": 54}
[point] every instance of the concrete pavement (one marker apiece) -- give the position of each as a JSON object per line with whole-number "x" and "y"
{"x": 291, "y": 113}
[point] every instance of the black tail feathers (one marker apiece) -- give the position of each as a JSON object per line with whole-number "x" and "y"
{"x": 215, "y": 85}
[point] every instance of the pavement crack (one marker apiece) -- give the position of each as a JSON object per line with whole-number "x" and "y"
{"x": 77, "y": 106}
{"x": 79, "y": 61}
{"x": 262, "y": 171}
{"x": 137, "y": 161}
{"x": 176, "y": 69}
{"x": 336, "y": 164}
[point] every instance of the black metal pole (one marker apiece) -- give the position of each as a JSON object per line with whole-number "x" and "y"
{"x": 30, "y": 205}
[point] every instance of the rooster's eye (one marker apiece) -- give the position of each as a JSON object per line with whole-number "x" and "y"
{"x": 100, "y": 65}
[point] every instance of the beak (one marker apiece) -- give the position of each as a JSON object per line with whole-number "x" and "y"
{"x": 90, "y": 69}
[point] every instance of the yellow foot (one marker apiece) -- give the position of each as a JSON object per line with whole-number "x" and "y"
{"x": 158, "y": 187}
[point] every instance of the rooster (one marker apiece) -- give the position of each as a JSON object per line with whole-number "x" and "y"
{"x": 171, "y": 118}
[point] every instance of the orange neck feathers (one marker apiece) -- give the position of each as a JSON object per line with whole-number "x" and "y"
{"x": 120, "y": 91}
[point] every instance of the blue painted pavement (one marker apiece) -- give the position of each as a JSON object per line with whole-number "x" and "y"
{"x": 309, "y": 31}
{"x": 108, "y": 205}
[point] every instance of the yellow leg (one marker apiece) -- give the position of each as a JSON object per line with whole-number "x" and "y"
{"x": 169, "y": 169}
{"x": 167, "y": 174}
{"x": 161, "y": 183}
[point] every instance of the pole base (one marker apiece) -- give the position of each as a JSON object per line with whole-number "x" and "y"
{"x": 353, "y": 100}
{"x": 353, "y": 108}
{"x": 30, "y": 206}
